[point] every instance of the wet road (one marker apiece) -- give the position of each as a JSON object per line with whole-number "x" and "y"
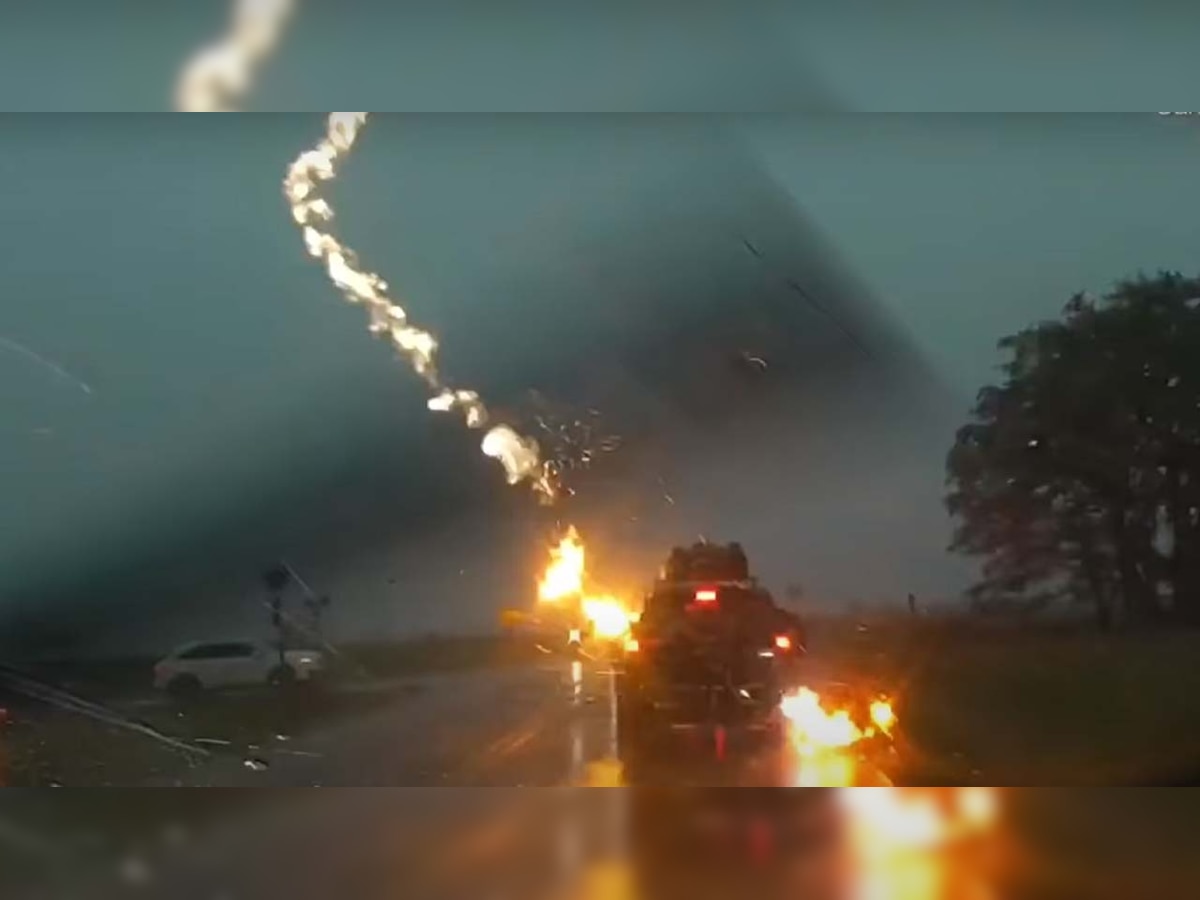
{"x": 546, "y": 726}
{"x": 419, "y": 843}
{"x": 530, "y": 726}
{"x": 449, "y": 814}
{"x": 444, "y": 844}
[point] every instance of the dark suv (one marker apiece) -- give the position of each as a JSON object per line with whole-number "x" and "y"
{"x": 708, "y": 651}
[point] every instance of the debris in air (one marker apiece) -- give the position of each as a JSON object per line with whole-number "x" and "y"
{"x": 569, "y": 442}
{"x": 47, "y": 364}
{"x": 22, "y": 684}
{"x": 255, "y": 765}
{"x": 757, "y": 361}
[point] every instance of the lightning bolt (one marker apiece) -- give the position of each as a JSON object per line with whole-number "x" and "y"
{"x": 318, "y": 166}
{"x": 222, "y": 72}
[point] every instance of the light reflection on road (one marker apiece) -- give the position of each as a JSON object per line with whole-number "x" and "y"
{"x": 904, "y": 844}
{"x": 832, "y": 769}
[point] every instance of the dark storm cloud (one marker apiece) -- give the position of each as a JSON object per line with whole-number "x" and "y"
{"x": 240, "y": 410}
{"x": 967, "y": 227}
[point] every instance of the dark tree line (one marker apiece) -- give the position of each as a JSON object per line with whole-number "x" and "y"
{"x": 1078, "y": 477}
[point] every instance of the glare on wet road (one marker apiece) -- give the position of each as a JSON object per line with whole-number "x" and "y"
{"x": 899, "y": 843}
{"x": 852, "y": 844}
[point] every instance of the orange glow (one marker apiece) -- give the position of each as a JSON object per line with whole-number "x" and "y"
{"x": 978, "y": 805}
{"x": 901, "y": 838}
{"x": 564, "y": 583}
{"x": 883, "y": 716}
{"x": 632, "y": 645}
{"x": 783, "y": 642}
{"x": 813, "y": 728}
{"x": 831, "y": 768}
{"x": 563, "y": 578}
{"x": 826, "y": 740}
{"x": 609, "y": 618}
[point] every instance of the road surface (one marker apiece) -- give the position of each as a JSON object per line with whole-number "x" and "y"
{"x": 418, "y": 843}
{"x": 427, "y": 829}
{"x": 546, "y": 726}
{"x": 450, "y": 843}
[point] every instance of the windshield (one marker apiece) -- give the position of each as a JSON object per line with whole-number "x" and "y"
{"x": 383, "y": 449}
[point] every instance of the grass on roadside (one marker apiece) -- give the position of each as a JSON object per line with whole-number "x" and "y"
{"x": 999, "y": 704}
{"x": 1145, "y": 840}
{"x": 49, "y": 746}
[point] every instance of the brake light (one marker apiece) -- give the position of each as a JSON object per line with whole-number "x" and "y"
{"x": 632, "y": 645}
{"x": 783, "y": 642}
{"x": 706, "y": 595}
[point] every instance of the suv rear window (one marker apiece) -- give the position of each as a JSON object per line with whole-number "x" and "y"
{"x": 707, "y": 562}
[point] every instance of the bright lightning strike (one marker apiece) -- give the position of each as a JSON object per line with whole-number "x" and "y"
{"x": 518, "y": 455}
{"x": 221, "y": 73}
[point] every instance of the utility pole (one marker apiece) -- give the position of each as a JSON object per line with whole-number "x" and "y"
{"x": 314, "y": 603}
{"x": 277, "y": 580}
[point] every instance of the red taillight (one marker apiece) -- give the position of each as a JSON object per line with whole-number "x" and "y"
{"x": 783, "y": 642}
{"x": 706, "y": 595}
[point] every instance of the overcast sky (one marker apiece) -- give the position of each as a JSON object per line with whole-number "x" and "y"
{"x": 204, "y": 402}
{"x": 928, "y": 55}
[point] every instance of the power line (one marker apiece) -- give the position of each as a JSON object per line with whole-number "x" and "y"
{"x": 812, "y": 301}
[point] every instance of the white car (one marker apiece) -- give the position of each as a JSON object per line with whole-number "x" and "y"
{"x": 209, "y": 665}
